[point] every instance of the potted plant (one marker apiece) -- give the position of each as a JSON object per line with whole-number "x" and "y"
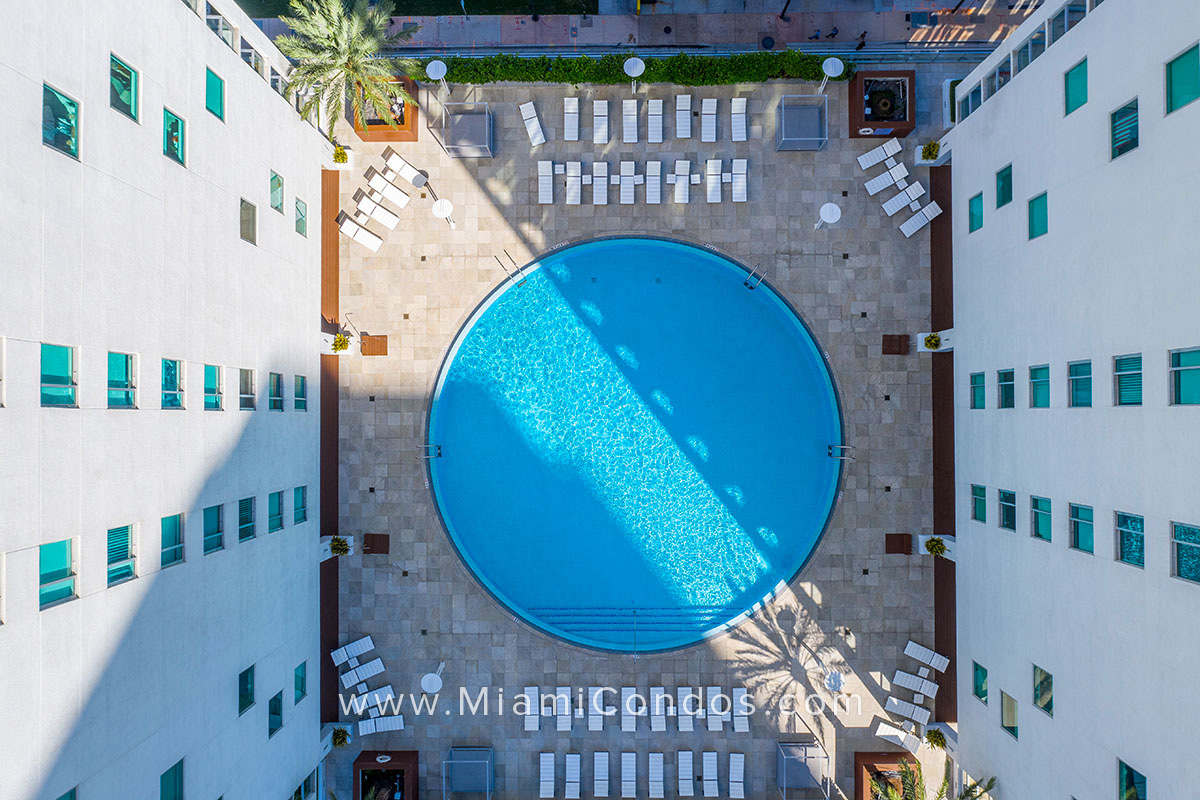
{"x": 341, "y": 737}
{"x": 339, "y": 546}
{"x": 337, "y": 344}
{"x": 931, "y": 154}
{"x": 933, "y": 341}
{"x": 935, "y": 738}
{"x": 936, "y": 545}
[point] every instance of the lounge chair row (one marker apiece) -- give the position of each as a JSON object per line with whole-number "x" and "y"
{"x": 896, "y": 175}
{"x": 629, "y": 120}
{"x": 382, "y": 187}
{"x": 686, "y": 705}
{"x": 655, "y": 784}
{"x": 682, "y": 179}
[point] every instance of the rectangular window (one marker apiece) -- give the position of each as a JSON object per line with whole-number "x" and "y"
{"x": 978, "y": 503}
{"x": 172, "y": 383}
{"x": 1039, "y": 513}
{"x": 300, "y": 682}
{"x": 996, "y": 79}
{"x": 245, "y": 519}
{"x": 274, "y": 512}
{"x": 246, "y": 397}
{"x": 1131, "y": 539}
{"x": 1075, "y": 86}
{"x": 213, "y": 387}
{"x": 274, "y": 714}
{"x": 1131, "y": 784}
{"x": 1127, "y": 380}
{"x": 122, "y": 87}
{"x": 1039, "y": 216}
{"x": 60, "y": 122}
{"x": 979, "y": 683}
{"x": 1004, "y": 187}
{"x": 170, "y": 784}
{"x": 1030, "y": 49}
{"x": 214, "y": 94}
{"x": 172, "y": 540}
{"x": 1125, "y": 129}
{"x": 1186, "y": 539}
{"x": 1039, "y": 386}
{"x": 58, "y": 375}
{"x": 1185, "y": 378}
{"x": 276, "y": 192}
{"x": 274, "y": 391}
{"x": 1043, "y": 690}
{"x": 56, "y": 573}
{"x": 1008, "y": 509}
{"x": 1008, "y": 714}
{"x": 121, "y": 391}
{"x": 248, "y": 220}
{"x": 975, "y": 213}
{"x": 70, "y": 794}
{"x": 301, "y": 393}
{"x": 1082, "y": 534}
{"x": 173, "y": 144}
{"x": 245, "y": 690}
{"x": 252, "y": 57}
{"x": 977, "y": 390}
{"x": 300, "y": 504}
{"x": 120, "y": 554}
{"x": 1183, "y": 79}
{"x": 301, "y": 217}
{"x": 214, "y": 529}
{"x": 1079, "y": 384}
{"x": 1006, "y": 388}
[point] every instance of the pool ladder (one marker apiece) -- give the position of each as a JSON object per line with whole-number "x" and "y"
{"x": 514, "y": 273}
{"x": 842, "y": 452}
{"x": 430, "y": 451}
{"x": 754, "y": 278}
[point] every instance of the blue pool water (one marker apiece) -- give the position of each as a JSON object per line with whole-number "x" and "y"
{"x": 634, "y": 446}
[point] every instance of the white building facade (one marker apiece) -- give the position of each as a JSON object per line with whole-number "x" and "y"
{"x": 1077, "y": 403}
{"x": 159, "y": 318}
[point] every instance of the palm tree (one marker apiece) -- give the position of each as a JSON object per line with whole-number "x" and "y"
{"x": 336, "y": 46}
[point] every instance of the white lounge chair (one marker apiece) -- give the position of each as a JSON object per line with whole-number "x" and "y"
{"x": 629, "y": 713}
{"x": 389, "y": 190}
{"x": 654, "y": 122}
{"x": 889, "y": 178}
{"x": 375, "y": 698}
{"x": 912, "y": 649}
{"x": 739, "y": 180}
{"x": 352, "y": 650}
{"x": 915, "y": 684}
{"x": 392, "y": 722}
{"x": 708, "y": 120}
{"x": 905, "y": 197}
{"x": 712, "y": 179}
{"x": 686, "y": 774}
{"x": 897, "y": 736}
{"x": 683, "y": 116}
{"x": 574, "y": 182}
{"x": 595, "y": 709}
{"x": 545, "y": 180}
{"x": 741, "y": 717}
{"x": 656, "y": 775}
{"x": 600, "y": 773}
{"x": 405, "y": 170}
{"x": 562, "y": 708}
{"x": 911, "y": 226}
{"x": 879, "y": 154}
{"x": 737, "y": 776}
{"x": 709, "y": 763}
{"x": 627, "y": 182}
{"x": 366, "y": 726}
{"x": 600, "y": 183}
{"x": 572, "y": 777}
{"x": 686, "y": 708}
{"x": 358, "y": 233}
{"x": 737, "y": 119}
{"x": 895, "y": 705}
{"x": 653, "y": 182}
{"x": 629, "y": 119}
{"x": 533, "y": 713}
{"x": 628, "y": 774}
{"x": 533, "y": 126}
{"x": 599, "y": 122}
{"x": 372, "y": 203}
{"x": 546, "y": 780}
{"x": 682, "y": 181}
{"x": 658, "y": 708}
{"x": 713, "y": 709}
{"x": 367, "y": 670}
{"x": 570, "y": 119}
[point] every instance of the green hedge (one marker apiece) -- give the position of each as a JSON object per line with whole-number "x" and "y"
{"x": 682, "y": 69}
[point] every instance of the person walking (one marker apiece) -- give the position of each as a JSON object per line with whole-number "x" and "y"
{"x": 862, "y": 41}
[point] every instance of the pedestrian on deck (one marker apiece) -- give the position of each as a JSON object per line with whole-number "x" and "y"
{"x": 816, "y": 35}
{"x": 832, "y": 34}
{"x": 862, "y": 41}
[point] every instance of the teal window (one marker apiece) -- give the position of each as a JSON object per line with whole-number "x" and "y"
{"x": 68, "y": 795}
{"x": 300, "y": 682}
{"x": 1079, "y": 384}
{"x": 245, "y": 690}
{"x": 60, "y": 122}
{"x": 1131, "y": 784}
{"x": 172, "y": 383}
{"x": 1075, "y": 86}
{"x": 300, "y": 504}
{"x": 1004, "y": 187}
{"x": 1043, "y": 690}
{"x": 1006, "y": 388}
{"x": 172, "y": 539}
{"x": 214, "y": 529}
{"x": 274, "y": 714}
{"x": 978, "y": 503}
{"x": 277, "y": 192}
{"x": 301, "y": 217}
{"x": 1008, "y": 714}
{"x": 1185, "y": 378}
{"x": 1039, "y": 511}
{"x": 274, "y": 391}
{"x": 1039, "y": 216}
{"x": 213, "y": 388}
{"x": 246, "y": 389}
{"x": 979, "y": 682}
{"x": 1082, "y": 533}
{"x": 1131, "y": 539}
{"x": 1008, "y": 509}
{"x": 1039, "y": 387}
{"x": 1183, "y": 79}
{"x": 56, "y": 573}
{"x": 1127, "y": 380}
{"x": 977, "y": 390}
{"x": 248, "y": 222}
{"x": 58, "y": 375}
{"x": 245, "y": 519}
{"x": 1125, "y": 129}
{"x": 122, "y": 87}
{"x": 121, "y": 391}
{"x": 975, "y": 213}
{"x": 274, "y": 512}
{"x": 214, "y": 94}
{"x": 301, "y": 393}
{"x": 120, "y": 554}
{"x": 1186, "y": 539}
{"x": 170, "y": 783}
{"x": 173, "y": 143}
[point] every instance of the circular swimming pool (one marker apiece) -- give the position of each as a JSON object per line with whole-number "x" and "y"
{"x": 634, "y": 445}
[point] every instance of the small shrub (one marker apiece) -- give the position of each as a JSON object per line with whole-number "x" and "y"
{"x": 935, "y": 738}
{"x": 935, "y": 546}
{"x": 341, "y": 737}
{"x": 930, "y": 151}
{"x": 339, "y": 155}
{"x": 339, "y": 546}
{"x": 340, "y": 342}
{"x": 933, "y": 341}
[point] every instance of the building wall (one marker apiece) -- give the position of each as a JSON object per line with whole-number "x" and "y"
{"x": 1113, "y": 276}
{"x": 126, "y": 250}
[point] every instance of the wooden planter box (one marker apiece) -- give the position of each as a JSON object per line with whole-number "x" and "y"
{"x": 405, "y": 131}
